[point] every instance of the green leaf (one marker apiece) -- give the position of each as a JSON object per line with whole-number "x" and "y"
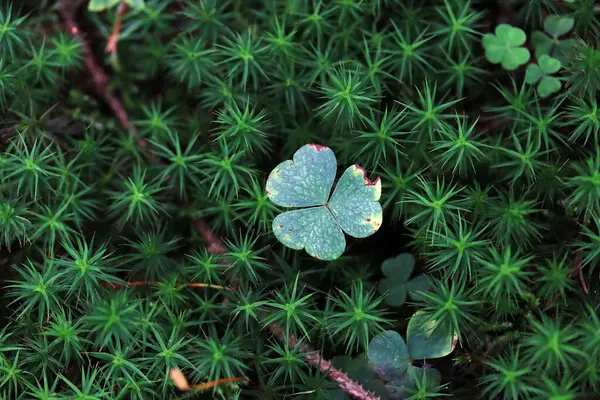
{"x": 424, "y": 342}
{"x": 355, "y": 203}
{"x": 565, "y": 48}
{"x": 515, "y": 58}
{"x": 542, "y": 43}
{"x": 419, "y": 283}
{"x": 396, "y": 291}
{"x": 400, "y": 267}
{"x": 396, "y": 283}
{"x": 306, "y": 181}
{"x": 135, "y": 4}
{"x": 397, "y": 387}
{"x": 510, "y": 35}
{"x": 548, "y": 85}
{"x": 312, "y": 229}
{"x": 101, "y": 5}
{"x": 556, "y": 25}
{"x": 388, "y": 355}
{"x": 533, "y": 73}
{"x": 505, "y": 47}
{"x": 549, "y": 65}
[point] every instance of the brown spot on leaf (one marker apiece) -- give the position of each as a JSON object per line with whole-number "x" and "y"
{"x": 364, "y": 176}
{"x": 318, "y": 147}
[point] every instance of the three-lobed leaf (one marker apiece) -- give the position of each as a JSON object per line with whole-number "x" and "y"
{"x": 396, "y": 284}
{"x": 545, "y": 42}
{"x": 541, "y": 72}
{"x": 319, "y": 221}
{"x": 505, "y": 47}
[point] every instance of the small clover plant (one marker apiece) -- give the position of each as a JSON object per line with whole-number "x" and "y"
{"x": 548, "y": 42}
{"x": 396, "y": 285}
{"x": 392, "y": 358}
{"x": 505, "y": 47}
{"x": 540, "y": 74}
{"x": 319, "y": 221}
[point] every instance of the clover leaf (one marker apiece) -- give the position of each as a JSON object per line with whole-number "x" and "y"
{"x": 396, "y": 284}
{"x": 425, "y": 342}
{"x": 545, "y": 42}
{"x": 505, "y": 47}
{"x": 541, "y": 72}
{"x": 388, "y": 355}
{"x": 391, "y": 358}
{"x": 319, "y": 222}
{"x": 101, "y": 5}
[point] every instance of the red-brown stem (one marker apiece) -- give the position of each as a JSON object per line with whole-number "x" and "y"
{"x": 215, "y": 245}
{"x": 99, "y": 78}
{"x": 111, "y": 46}
{"x": 347, "y": 384}
{"x": 579, "y": 271}
{"x": 146, "y": 283}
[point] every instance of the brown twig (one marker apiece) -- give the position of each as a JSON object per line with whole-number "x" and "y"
{"x": 314, "y": 357}
{"x": 214, "y": 244}
{"x": 100, "y": 79}
{"x": 347, "y": 384}
{"x": 113, "y": 40}
{"x": 578, "y": 270}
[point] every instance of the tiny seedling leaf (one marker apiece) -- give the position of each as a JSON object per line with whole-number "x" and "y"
{"x": 424, "y": 342}
{"x": 505, "y": 47}
{"x": 319, "y": 221}
{"x": 388, "y": 355}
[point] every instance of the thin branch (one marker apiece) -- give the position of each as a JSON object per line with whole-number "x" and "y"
{"x": 100, "y": 79}
{"x": 214, "y": 244}
{"x": 111, "y": 46}
{"x": 578, "y": 270}
{"x": 314, "y": 357}
{"x": 345, "y": 383}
